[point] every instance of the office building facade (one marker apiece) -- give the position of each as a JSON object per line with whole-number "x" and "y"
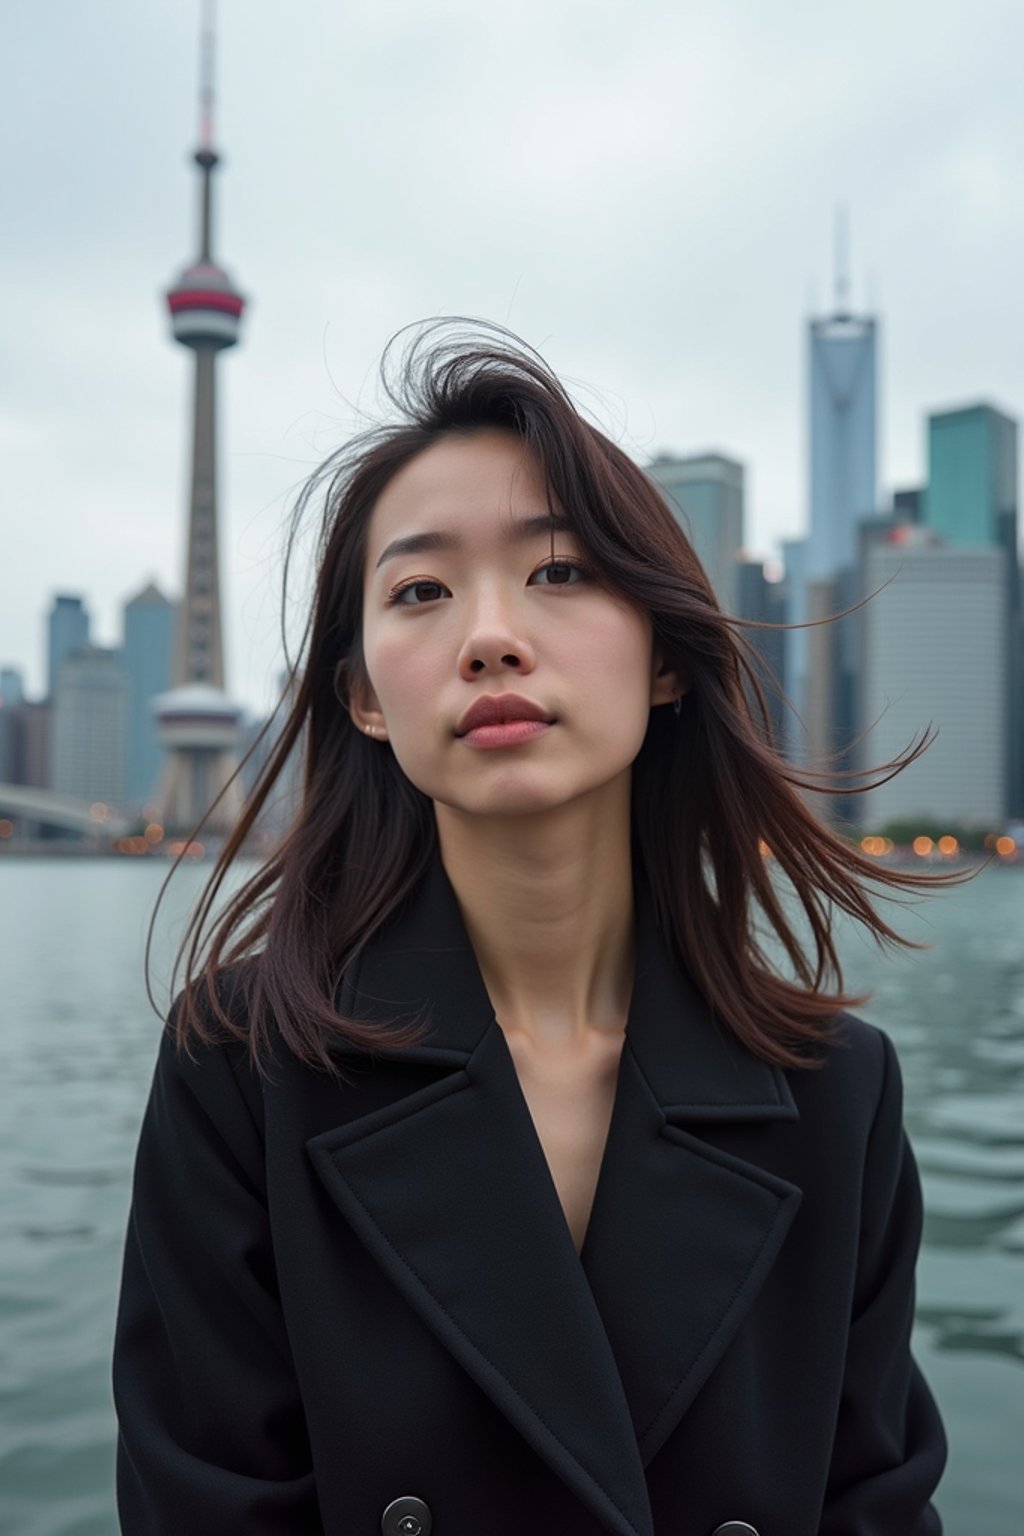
{"x": 67, "y": 630}
{"x": 148, "y": 652}
{"x": 764, "y": 601}
{"x": 12, "y": 686}
{"x": 972, "y": 499}
{"x": 934, "y": 652}
{"x": 971, "y": 496}
{"x": 705, "y": 493}
{"x": 90, "y": 715}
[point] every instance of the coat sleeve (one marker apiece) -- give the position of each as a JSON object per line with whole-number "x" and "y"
{"x": 890, "y": 1446}
{"x": 211, "y": 1431}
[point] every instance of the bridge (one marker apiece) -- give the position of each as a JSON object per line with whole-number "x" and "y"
{"x": 42, "y": 807}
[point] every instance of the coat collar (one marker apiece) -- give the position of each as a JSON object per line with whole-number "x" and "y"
{"x": 694, "y": 1066}
{"x": 594, "y": 1358}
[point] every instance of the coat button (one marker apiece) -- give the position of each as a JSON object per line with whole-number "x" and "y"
{"x": 408, "y": 1516}
{"x": 734, "y": 1528}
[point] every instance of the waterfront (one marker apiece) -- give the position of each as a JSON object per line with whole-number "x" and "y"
{"x": 77, "y": 1043}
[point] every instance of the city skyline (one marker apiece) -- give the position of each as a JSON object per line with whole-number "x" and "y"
{"x": 680, "y": 326}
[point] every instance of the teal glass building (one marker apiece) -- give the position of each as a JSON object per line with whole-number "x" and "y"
{"x": 149, "y": 634}
{"x": 971, "y": 499}
{"x": 705, "y": 493}
{"x": 971, "y": 496}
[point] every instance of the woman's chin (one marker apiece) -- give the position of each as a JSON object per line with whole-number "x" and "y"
{"x": 511, "y": 794}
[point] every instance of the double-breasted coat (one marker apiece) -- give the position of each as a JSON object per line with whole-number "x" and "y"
{"x": 353, "y": 1308}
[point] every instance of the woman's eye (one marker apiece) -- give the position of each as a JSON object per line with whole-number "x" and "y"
{"x": 419, "y": 592}
{"x": 560, "y": 567}
{"x": 397, "y": 594}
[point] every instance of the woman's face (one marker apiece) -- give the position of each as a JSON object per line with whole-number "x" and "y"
{"x": 489, "y": 614}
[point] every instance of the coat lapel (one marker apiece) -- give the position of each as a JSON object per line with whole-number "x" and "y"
{"x": 594, "y": 1358}
{"x": 682, "y": 1234}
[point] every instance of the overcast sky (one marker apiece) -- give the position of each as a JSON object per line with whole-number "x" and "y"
{"x": 644, "y": 191}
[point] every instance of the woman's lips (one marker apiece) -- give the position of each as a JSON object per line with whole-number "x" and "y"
{"x": 508, "y": 734}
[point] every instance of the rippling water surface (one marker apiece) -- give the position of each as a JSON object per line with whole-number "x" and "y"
{"x": 77, "y": 1045}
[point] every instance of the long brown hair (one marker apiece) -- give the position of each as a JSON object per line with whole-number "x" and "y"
{"x": 712, "y": 796}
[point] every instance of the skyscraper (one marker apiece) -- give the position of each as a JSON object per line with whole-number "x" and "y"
{"x": 935, "y": 652}
{"x": 198, "y": 723}
{"x": 764, "y": 601}
{"x": 842, "y": 405}
{"x": 67, "y": 630}
{"x": 149, "y": 620}
{"x": 90, "y": 705}
{"x": 971, "y": 496}
{"x": 705, "y": 494}
{"x": 842, "y": 359}
{"x": 12, "y": 686}
{"x": 971, "y": 500}
{"x": 12, "y": 698}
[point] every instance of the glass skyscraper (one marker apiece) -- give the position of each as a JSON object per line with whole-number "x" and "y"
{"x": 971, "y": 500}
{"x": 822, "y": 569}
{"x": 971, "y": 497}
{"x": 842, "y": 364}
{"x": 705, "y": 494}
{"x": 67, "y": 631}
{"x": 149, "y": 621}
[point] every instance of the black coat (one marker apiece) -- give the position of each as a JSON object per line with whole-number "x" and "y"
{"x": 338, "y": 1296}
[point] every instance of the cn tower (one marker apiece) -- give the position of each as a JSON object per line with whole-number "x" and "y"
{"x": 197, "y": 721}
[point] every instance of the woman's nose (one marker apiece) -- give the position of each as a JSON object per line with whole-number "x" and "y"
{"x": 493, "y": 641}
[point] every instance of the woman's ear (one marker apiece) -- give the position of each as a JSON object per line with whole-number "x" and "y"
{"x": 667, "y": 683}
{"x": 355, "y": 695}
{"x": 369, "y": 722}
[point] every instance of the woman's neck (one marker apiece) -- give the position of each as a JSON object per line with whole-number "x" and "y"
{"x": 548, "y": 905}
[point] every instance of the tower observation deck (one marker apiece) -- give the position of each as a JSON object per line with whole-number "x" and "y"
{"x": 197, "y": 721}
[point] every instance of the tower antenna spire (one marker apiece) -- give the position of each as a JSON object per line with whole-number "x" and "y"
{"x": 842, "y": 261}
{"x": 206, "y": 59}
{"x": 206, "y": 157}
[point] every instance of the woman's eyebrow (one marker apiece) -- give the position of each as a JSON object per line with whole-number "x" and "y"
{"x": 516, "y": 532}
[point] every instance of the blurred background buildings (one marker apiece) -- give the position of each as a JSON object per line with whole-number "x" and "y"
{"x": 145, "y": 732}
{"x": 938, "y": 640}
{"x": 941, "y": 645}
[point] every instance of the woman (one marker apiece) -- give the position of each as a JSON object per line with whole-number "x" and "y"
{"x": 492, "y": 1179}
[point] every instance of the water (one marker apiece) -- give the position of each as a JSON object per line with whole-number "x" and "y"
{"x": 77, "y": 1044}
